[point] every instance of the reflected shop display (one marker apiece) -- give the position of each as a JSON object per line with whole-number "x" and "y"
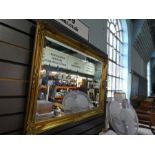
{"x": 64, "y": 70}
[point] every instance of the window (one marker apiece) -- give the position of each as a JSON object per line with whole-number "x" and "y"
{"x": 115, "y": 57}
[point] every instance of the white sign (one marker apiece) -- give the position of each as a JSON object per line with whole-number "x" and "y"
{"x": 89, "y": 68}
{"x": 76, "y": 26}
{"x": 55, "y": 58}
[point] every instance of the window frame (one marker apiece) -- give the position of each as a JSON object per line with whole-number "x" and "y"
{"x": 115, "y": 56}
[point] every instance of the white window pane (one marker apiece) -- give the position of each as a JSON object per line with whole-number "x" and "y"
{"x": 114, "y": 55}
{"x": 109, "y": 94}
{"x": 121, "y": 38}
{"x": 117, "y": 84}
{"x": 120, "y": 48}
{"x": 111, "y": 71}
{"x": 121, "y": 60}
{"x": 117, "y": 58}
{"x": 113, "y": 83}
{"x": 111, "y": 37}
{"x": 112, "y": 40}
{"x": 114, "y": 43}
{"x": 118, "y": 45}
{"x": 121, "y": 72}
{"x": 117, "y": 29}
{"x": 119, "y": 75}
{"x": 119, "y": 25}
{"x": 114, "y": 69}
{"x": 110, "y": 52}
{"x": 109, "y": 83}
{"x": 107, "y": 23}
{"x": 118, "y": 34}
{"x": 112, "y": 28}
{"x": 117, "y": 70}
{"x": 121, "y": 85}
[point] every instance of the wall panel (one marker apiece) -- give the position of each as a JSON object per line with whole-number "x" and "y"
{"x": 16, "y": 46}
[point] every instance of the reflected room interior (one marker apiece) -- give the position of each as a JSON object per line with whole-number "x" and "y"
{"x": 64, "y": 69}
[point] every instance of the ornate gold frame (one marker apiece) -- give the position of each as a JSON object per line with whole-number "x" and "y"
{"x": 32, "y": 127}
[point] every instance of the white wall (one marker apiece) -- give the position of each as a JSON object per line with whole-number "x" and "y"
{"x": 97, "y": 32}
{"x": 138, "y": 64}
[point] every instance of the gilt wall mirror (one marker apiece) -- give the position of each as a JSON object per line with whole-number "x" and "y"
{"x": 67, "y": 81}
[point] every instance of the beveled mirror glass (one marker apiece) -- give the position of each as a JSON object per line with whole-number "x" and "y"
{"x": 67, "y": 81}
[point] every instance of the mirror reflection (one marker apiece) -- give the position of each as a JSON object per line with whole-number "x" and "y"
{"x": 69, "y": 81}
